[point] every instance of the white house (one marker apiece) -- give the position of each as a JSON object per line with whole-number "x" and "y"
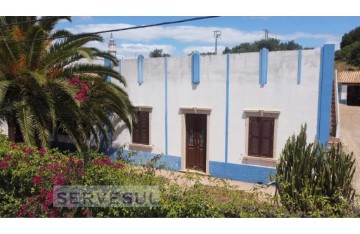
{"x": 349, "y": 87}
{"x": 228, "y": 116}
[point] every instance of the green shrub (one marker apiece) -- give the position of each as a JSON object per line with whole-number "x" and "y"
{"x": 315, "y": 180}
{"x": 28, "y": 175}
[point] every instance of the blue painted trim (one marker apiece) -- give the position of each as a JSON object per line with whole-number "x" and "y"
{"x": 168, "y": 162}
{"x": 195, "y": 67}
{"x": 107, "y": 63}
{"x": 325, "y": 92}
{"x": 140, "y": 69}
{"x": 227, "y": 107}
{"x": 240, "y": 172}
{"x": 263, "y": 66}
{"x": 299, "y": 67}
{"x": 166, "y": 106}
{"x": 252, "y": 174}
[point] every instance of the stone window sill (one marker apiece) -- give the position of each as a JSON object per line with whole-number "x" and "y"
{"x": 260, "y": 161}
{"x": 194, "y": 172}
{"x": 140, "y": 147}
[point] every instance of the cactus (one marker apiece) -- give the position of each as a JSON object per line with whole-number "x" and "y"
{"x": 312, "y": 176}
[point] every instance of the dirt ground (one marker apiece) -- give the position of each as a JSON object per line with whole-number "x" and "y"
{"x": 350, "y": 136}
{"x": 185, "y": 178}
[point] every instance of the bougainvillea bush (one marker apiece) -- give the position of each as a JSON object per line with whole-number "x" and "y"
{"x": 28, "y": 176}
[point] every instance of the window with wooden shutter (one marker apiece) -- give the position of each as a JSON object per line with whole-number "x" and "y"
{"x": 261, "y": 137}
{"x": 140, "y": 133}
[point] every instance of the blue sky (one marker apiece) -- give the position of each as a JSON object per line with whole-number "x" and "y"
{"x": 180, "y": 39}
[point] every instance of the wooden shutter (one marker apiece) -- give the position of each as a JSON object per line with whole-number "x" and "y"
{"x": 254, "y": 136}
{"x": 261, "y": 137}
{"x": 144, "y": 129}
{"x": 136, "y": 129}
{"x": 267, "y": 137}
{"x": 141, "y": 128}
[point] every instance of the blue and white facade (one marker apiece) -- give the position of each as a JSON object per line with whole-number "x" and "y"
{"x": 293, "y": 87}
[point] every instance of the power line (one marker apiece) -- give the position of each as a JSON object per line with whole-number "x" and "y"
{"x": 26, "y": 22}
{"x": 117, "y": 30}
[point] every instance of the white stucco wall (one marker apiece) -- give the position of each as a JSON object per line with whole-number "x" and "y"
{"x": 4, "y": 128}
{"x": 343, "y": 95}
{"x": 297, "y": 103}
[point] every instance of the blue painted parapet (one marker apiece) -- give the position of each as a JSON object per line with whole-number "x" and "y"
{"x": 325, "y": 93}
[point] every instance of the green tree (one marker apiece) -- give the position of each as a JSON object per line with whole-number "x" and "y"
{"x": 158, "y": 53}
{"x": 271, "y": 44}
{"x": 45, "y": 85}
{"x": 350, "y": 37}
{"x": 350, "y": 48}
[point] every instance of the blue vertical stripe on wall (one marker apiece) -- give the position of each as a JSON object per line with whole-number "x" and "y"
{"x": 263, "y": 66}
{"x": 166, "y": 106}
{"x": 140, "y": 69}
{"x": 107, "y": 63}
{"x": 227, "y": 107}
{"x": 325, "y": 92}
{"x": 195, "y": 67}
{"x": 299, "y": 67}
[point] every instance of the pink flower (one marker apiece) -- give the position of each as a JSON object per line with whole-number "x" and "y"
{"x": 118, "y": 166}
{"x": 4, "y": 164}
{"x": 53, "y": 167}
{"x": 22, "y": 211}
{"x": 49, "y": 198}
{"x": 71, "y": 160}
{"x": 74, "y": 81}
{"x": 42, "y": 151}
{"x": 53, "y": 214}
{"x": 58, "y": 179}
{"x": 41, "y": 169}
{"x": 87, "y": 213}
{"x": 28, "y": 150}
{"x": 14, "y": 146}
{"x": 8, "y": 157}
{"x": 44, "y": 208}
{"x": 61, "y": 181}
{"x": 104, "y": 161}
{"x": 81, "y": 96}
{"x": 36, "y": 179}
{"x": 80, "y": 163}
{"x": 53, "y": 178}
{"x": 107, "y": 161}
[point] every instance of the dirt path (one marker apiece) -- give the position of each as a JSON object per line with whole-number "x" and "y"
{"x": 186, "y": 178}
{"x": 350, "y": 136}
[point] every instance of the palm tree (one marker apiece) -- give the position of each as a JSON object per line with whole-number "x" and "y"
{"x": 45, "y": 85}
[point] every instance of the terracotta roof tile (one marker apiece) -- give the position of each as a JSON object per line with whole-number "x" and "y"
{"x": 350, "y": 77}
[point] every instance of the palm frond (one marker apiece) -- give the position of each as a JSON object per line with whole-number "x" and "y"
{"x": 24, "y": 118}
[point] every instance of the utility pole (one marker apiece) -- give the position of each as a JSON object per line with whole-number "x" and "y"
{"x": 266, "y": 34}
{"x": 217, "y": 35}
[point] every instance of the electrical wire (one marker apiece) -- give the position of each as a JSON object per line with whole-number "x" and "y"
{"x": 116, "y": 30}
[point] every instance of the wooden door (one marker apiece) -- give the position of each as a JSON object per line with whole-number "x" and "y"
{"x": 196, "y": 142}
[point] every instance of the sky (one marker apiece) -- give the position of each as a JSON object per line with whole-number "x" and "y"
{"x": 181, "y": 39}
